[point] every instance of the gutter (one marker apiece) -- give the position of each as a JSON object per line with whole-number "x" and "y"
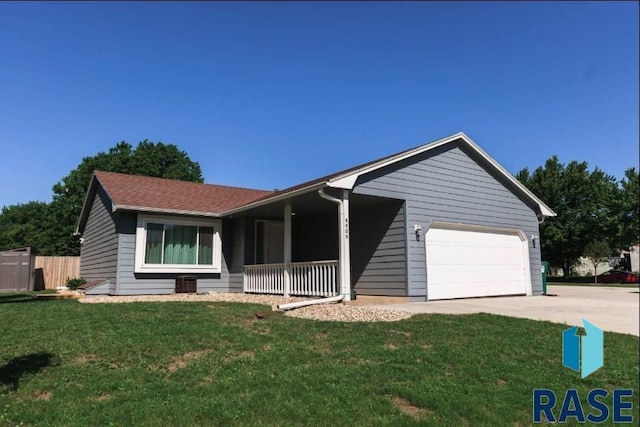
{"x": 325, "y": 196}
{"x": 164, "y": 211}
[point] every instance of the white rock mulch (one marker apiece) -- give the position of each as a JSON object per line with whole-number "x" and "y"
{"x": 327, "y": 312}
{"x": 347, "y": 313}
{"x": 271, "y": 300}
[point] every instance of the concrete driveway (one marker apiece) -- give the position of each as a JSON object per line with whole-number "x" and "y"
{"x": 611, "y": 309}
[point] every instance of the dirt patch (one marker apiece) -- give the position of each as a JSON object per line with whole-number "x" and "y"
{"x": 85, "y": 358}
{"x": 359, "y": 361}
{"x": 261, "y": 330}
{"x": 180, "y": 362}
{"x": 253, "y": 325}
{"x": 266, "y": 347}
{"x": 247, "y": 354}
{"x": 501, "y": 381}
{"x": 409, "y": 408}
{"x": 102, "y": 397}
{"x": 390, "y": 346}
{"x": 321, "y": 343}
{"x": 42, "y": 395}
{"x": 405, "y": 333}
{"x": 426, "y": 346}
{"x": 206, "y": 380}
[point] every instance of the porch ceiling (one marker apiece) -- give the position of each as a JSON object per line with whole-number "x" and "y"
{"x": 310, "y": 204}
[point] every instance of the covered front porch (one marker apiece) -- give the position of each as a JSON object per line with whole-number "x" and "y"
{"x": 314, "y": 278}
{"x": 325, "y": 243}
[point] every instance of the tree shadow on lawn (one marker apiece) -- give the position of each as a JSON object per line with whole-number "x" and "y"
{"x": 16, "y": 368}
{"x": 11, "y": 298}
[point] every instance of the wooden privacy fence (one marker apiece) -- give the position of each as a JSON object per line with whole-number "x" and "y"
{"x": 53, "y": 271}
{"x": 16, "y": 270}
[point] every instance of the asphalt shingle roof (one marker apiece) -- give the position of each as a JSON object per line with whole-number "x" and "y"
{"x": 135, "y": 191}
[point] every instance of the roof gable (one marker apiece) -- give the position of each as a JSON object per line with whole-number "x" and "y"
{"x": 149, "y": 194}
{"x": 346, "y": 179}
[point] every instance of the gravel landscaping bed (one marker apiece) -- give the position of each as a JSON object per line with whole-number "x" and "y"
{"x": 347, "y": 313}
{"x": 271, "y": 300}
{"x": 328, "y": 312}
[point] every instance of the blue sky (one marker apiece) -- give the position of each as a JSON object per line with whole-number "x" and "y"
{"x": 268, "y": 95}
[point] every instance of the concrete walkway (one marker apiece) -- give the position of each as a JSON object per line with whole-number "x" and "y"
{"x": 611, "y": 309}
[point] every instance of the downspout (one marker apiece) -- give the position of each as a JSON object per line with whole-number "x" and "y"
{"x": 343, "y": 241}
{"x": 541, "y": 219}
{"x": 293, "y": 305}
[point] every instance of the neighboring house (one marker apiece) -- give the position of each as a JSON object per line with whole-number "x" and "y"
{"x": 626, "y": 260}
{"x": 584, "y": 267}
{"x": 442, "y": 220}
{"x": 634, "y": 257}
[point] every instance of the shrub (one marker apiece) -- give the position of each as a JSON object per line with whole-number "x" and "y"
{"x": 74, "y": 284}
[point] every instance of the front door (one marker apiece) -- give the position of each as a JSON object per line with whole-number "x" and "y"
{"x": 269, "y": 242}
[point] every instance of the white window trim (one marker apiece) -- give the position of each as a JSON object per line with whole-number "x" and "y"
{"x": 141, "y": 243}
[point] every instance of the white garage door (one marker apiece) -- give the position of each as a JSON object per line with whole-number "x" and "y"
{"x": 472, "y": 263}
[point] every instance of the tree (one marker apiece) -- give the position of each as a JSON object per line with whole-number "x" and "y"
{"x": 597, "y": 251}
{"x": 583, "y": 201}
{"x": 627, "y": 223}
{"x": 26, "y": 224}
{"x": 148, "y": 158}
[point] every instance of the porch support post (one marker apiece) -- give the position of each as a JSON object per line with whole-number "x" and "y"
{"x": 345, "y": 252}
{"x": 287, "y": 249}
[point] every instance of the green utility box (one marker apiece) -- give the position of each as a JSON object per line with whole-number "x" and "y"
{"x": 545, "y": 271}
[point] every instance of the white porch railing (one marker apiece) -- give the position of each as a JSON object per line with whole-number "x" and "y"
{"x": 314, "y": 278}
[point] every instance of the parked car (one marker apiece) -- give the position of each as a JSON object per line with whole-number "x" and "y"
{"x": 617, "y": 276}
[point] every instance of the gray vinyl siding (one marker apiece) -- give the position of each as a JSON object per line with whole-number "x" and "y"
{"x": 98, "y": 254}
{"x": 236, "y": 265}
{"x": 130, "y": 283}
{"x": 106, "y": 288}
{"x": 448, "y": 184}
{"x": 378, "y": 249}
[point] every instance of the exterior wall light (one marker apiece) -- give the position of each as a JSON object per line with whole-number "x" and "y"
{"x": 417, "y": 228}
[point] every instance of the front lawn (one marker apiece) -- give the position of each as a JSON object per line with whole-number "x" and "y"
{"x": 64, "y": 363}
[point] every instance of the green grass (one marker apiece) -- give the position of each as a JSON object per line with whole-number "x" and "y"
{"x": 63, "y": 363}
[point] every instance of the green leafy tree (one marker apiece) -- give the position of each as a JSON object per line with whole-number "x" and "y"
{"x": 27, "y": 224}
{"x": 583, "y": 201}
{"x": 597, "y": 251}
{"x": 626, "y": 224}
{"x": 148, "y": 159}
